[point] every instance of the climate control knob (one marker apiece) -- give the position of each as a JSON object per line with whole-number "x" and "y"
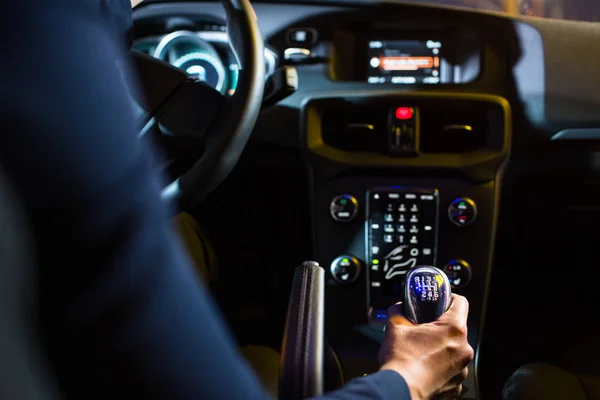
{"x": 343, "y": 208}
{"x": 462, "y": 212}
{"x": 345, "y": 269}
{"x": 459, "y": 273}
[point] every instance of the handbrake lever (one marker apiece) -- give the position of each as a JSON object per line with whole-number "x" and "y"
{"x": 427, "y": 294}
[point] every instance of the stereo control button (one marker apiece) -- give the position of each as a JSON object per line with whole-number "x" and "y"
{"x": 345, "y": 269}
{"x": 344, "y": 208}
{"x": 462, "y": 211}
{"x": 301, "y": 36}
{"x": 459, "y": 273}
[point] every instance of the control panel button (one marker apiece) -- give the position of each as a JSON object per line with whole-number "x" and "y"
{"x": 404, "y": 113}
{"x": 402, "y": 131}
{"x": 462, "y": 211}
{"x": 345, "y": 269}
{"x": 344, "y": 208}
{"x": 459, "y": 273}
{"x": 301, "y": 36}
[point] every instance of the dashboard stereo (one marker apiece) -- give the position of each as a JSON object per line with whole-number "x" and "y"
{"x": 406, "y": 57}
{"x": 401, "y": 234}
{"x": 405, "y": 62}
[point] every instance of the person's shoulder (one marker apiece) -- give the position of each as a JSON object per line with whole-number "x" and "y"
{"x": 27, "y": 10}
{"x": 49, "y": 24}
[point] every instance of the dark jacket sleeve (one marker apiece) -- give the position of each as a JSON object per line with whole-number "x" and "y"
{"x": 383, "y": 385}
{"x": 123, "y": 314}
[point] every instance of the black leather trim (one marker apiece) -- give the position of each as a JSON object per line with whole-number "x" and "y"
{"x": 304, "y": 340}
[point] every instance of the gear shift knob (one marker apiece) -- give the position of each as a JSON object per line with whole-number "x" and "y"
{"x": 427, "y": 294}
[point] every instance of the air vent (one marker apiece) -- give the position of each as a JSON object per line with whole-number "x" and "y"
{"x": 356, "y": 129}
{"x": 460, "y": 127}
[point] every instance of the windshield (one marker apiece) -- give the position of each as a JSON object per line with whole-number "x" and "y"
{"x": 580, "y": 10}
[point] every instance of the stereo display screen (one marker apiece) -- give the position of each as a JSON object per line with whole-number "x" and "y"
{"x": 404, "y": 62}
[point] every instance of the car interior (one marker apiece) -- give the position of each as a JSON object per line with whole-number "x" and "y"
{"x": 336, "y": 144}
{"x": 400, "y": 135}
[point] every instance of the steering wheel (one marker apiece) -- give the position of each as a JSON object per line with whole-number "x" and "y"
{"x": 190, "y": 120}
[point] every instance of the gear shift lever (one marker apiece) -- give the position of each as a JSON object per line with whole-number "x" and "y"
{"x": 427, "y": 294}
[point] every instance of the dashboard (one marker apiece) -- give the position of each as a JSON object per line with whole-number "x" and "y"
{"x": 405, "y": 120}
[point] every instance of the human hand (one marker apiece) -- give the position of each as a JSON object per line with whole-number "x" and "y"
{"x": 432, "y": 358}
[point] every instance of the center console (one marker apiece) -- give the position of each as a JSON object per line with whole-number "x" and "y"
{"x": 401, "y": 180}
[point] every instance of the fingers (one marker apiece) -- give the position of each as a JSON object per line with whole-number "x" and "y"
{"x": 460, "y": 377}
{"x": 451, "y": 393}
{"x": 458, "y": 311}
{"x": 454, "y": 388}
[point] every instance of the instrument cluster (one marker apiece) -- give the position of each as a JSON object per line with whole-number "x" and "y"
{"x": 205, "y": 54}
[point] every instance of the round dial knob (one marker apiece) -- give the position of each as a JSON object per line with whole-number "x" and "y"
{"x": 345, "y": 269}
{"x": 343, "y": 208}
{"x": 462, "y": 211}
{"x": 459, "y": 273}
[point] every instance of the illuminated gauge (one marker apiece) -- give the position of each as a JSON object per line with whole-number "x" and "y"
{"x": 205, "y": 67}
{"x": 187, "y": 51}
{"x": 271, "y": 58}
{"x": 220, "y": 37}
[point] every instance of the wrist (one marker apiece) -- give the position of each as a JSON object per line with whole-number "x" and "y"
{"x": 416, "y": 392}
